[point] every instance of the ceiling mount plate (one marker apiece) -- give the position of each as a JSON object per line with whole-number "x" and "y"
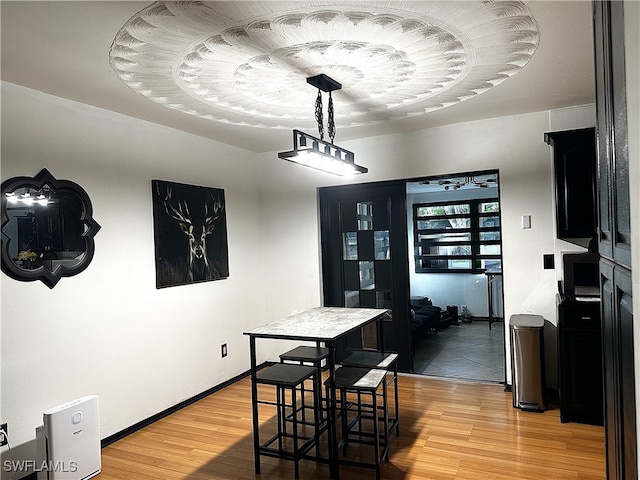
{"x": 324, "y": 83}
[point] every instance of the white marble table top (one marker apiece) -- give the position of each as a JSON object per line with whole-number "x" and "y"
{"x": 318, "y": 324}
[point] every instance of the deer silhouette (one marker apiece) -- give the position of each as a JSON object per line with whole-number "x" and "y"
{"x": 198, "y": 264}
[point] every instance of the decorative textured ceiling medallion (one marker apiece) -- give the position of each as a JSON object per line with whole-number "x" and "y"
{"x": 246, "y": 63}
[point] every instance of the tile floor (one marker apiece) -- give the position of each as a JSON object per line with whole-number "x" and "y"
{"x": 467, "y": 351}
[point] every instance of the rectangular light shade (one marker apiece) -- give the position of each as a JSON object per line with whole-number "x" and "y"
{"x": 327, "y": 157}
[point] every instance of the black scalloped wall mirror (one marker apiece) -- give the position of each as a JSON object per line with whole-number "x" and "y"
{"x": 47, "y": 228}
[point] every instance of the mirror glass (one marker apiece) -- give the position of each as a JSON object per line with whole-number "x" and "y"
{"x": 47, "y": 228}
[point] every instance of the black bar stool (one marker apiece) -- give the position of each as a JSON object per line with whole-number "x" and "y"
{"x": 308, "y": 355}
{"x": 361, "y": 382}
{"x": 383, "y": 361}
{"x": 294, "y": 445}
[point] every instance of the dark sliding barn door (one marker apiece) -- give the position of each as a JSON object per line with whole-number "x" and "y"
{"x": 364, "y": 259}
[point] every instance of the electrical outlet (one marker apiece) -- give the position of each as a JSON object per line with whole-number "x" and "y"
{"x": 223, "y": 350}
{"x": 3, "y": 434}
{"x": 548, "y": 261}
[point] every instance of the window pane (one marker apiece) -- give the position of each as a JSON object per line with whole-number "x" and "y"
{"x": 448, "y": 250}
{"x": 365, "y": 224}
{"x": 489, "y": 235}
{"x": 351, "y": 298}
{"x": 383, "y": 299}
{"x": 432, "y": 224}
{"x": 434, "y": 263}
{"x": 381, "y": 239}
{"x": 365, "y": 208}
{"x": 489, "y": 207}
{"x": 459, "y": 264}
{"x": 492, "y": 264}
{"x": 367, "y": 276}
{"x": 489, "y": 249}
{"x": 460, "y": 222}
{"x": 365, "y": 215}
{"x": 430, "y": 211}
{"x": 460, "y": 250}
{"x": 440, "y": 210}
{"x": 445, "y": 223}
{"x": 458, "y": 209}
{"x": 445, "y": 237}
{"x": 350, "y": 245}
{"x": 489, "y": 222}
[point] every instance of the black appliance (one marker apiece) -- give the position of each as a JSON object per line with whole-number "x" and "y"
{"x": 581, "y": 276}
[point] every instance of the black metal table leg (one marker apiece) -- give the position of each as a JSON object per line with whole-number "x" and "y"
{"x": 254, "y": 405}
{"x": 334, "y": 470}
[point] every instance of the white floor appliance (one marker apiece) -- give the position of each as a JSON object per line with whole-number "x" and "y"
{"x": 68, "y": 442}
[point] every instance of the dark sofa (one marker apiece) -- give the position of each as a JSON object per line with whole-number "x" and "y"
{"x": 427, "y": 318}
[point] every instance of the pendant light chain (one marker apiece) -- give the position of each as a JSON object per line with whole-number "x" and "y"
{"x": 319, "y": 115}
{"x": 331, "y": 125}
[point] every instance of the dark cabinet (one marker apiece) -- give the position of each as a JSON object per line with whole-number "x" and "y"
{"x": 580, "y": 362}
{"x": 614, "y": 217}
{"x": 619, "y": 377}
{"x": 574, "y": 160}
{"x": 614, "y": 240}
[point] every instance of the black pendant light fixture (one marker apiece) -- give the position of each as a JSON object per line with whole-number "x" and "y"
{"x": 316, "y": 152}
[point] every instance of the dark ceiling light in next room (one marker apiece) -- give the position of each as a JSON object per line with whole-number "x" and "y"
{"x": 316, "y": 152}
{"x": 482, "y": 181}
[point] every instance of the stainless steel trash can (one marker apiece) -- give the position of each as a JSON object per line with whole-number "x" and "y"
{"x": 527, "y": 361}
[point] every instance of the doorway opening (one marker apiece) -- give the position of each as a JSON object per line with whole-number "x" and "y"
{"x": 386, "y": 245}
{"x": 455, "y": 276}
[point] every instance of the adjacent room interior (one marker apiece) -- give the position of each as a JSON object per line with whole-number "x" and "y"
{"x": 454, "y": 235}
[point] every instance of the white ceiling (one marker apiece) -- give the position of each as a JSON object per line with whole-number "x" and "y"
{"x": 65, "y": 49}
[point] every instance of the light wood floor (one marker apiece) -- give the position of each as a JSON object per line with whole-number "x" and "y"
{"x": 448, "y": 431}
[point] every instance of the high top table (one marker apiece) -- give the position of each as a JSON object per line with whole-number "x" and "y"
{"x": 321, "y": 325}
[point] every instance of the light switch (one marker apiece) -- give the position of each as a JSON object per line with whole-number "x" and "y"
{"x": 526, "y": 221}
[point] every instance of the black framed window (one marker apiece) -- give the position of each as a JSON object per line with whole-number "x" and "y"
{"x": 461, "y": 236}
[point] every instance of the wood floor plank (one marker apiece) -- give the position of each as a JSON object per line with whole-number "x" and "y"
{"x": 448, "y": 431}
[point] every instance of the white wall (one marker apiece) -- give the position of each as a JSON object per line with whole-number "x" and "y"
{"x": 109, "y": 331}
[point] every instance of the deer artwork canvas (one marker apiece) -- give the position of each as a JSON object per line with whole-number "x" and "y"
{"x": 190, "y": 231}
